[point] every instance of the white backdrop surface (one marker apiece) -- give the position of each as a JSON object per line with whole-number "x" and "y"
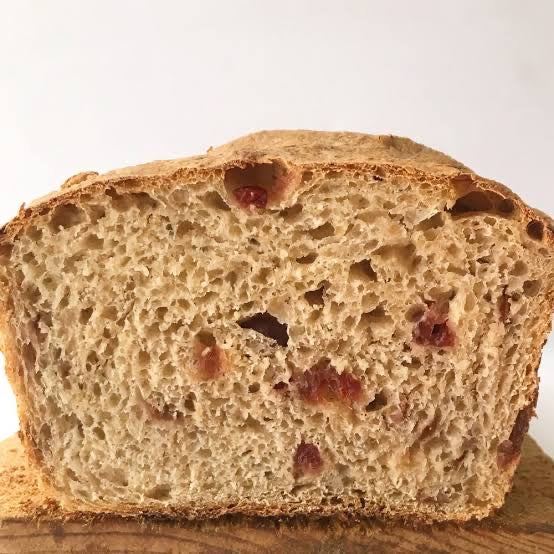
{"x": 97, "y": 85}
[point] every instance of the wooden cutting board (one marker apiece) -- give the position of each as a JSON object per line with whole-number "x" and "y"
{"x": 33, "y": 522}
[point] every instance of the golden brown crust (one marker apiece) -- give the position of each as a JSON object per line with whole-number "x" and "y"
{"x": 298, "y": 152}
{"x": 78, "y": 179}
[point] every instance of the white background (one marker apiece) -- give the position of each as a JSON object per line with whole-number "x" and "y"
{"x": 97, "y": 85}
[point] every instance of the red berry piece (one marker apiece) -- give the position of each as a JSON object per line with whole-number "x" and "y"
{"x": 434, "y": 329}
{"x": 322, "y": 383}
{"x": 307, "y": 460}
{"x": 251, "y": 196}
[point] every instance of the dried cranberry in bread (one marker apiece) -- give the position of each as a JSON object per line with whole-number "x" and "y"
{"x": 294, "y": 322}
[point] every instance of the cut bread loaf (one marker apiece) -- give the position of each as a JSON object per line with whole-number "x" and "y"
{"x": 294, "y": 322}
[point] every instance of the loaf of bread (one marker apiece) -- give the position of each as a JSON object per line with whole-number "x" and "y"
{"x": 296, "y": 322}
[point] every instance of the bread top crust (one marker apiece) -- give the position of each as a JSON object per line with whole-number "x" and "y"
{"x": 297, "y": 151}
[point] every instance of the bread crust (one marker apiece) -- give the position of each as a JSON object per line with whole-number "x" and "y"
{"x": 298, "y": 152}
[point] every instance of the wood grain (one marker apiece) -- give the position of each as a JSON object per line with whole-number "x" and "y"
{"x": 31, "y": 521}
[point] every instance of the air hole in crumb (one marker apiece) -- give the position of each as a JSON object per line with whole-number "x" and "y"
{"x": 127, "y": 200}
{"x": 403, "y": 255}
{"x": 93, "y": 242}
{"x": 97, "y": 391}
{"x": 323, "y": 231}
{"x": 174, "y": 327}
{"x": 535, "y": 229}
{"x": 519, "y": 269}
{"x": 144, "y": 359}
{"x": 292, "y": 213}
{"x": 213, "y": 200}
{"x": 315, "y": 297}
{"x": 474, "y": 201}
{"x": 482, "y": 201}
{"x": 260, "y": 175}
{"x": 45, "y": 319}
{"x": 377, "y": 316}
{"x": 159, "y": 492}
{"x": 19, "y": 276}
{"x": 484, "y": 260}
{"x": 262, "y": 276}
{"x": 415, "y": 313}
{"x": 414, "y": 363}
{"x": 308, "y": 259}
{"x": 65, "y": 369}
{"x": 110, "y": 347}
{"x": 433, "y": 222}
{"x": 114, "y": 400}
{"x": 267, "y": 325}
{"x": 161, "y": 312}
{"x": 532, "y": 287}
{"x": 66, "y": 216}
{"x": 370, "y": 216}
{"x": 92, "y": 360}
{"x": 506, "y": 206}
{"x": 297, "y": 489}
{"x": 342, "y": 469}
{"x": 470, "y": 302}
{"x": 169, "y": 370}
{"x": 110, "y": 312}
{"x": 70, "y": 264}
{"x": 363, "y": 271}
{"x": 71, "y": 474}
{"x": 378, "y": 402}
{"x": 252, "y": 423}
{"x": 29, "y": 355}
{"x": 379, "y": 174}
{"x": 190, "y": 402}
{"x": 99, "y": 433}
{"x": 183, "y": 228}
{"x": 206, "y": 338}
{"x": 32, "y": 294}
{"x": 504, "y": 306}
{"x": 96, "y": 213}
{"x": 307, "y": 176}
{"x": 231, "y": 278}
{"x": 85, "y": 315}
{"x": 33, "y": 233}
{"x": 254, "y": 387}
{"x": 143, "y": 200}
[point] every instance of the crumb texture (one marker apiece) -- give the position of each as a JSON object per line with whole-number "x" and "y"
{"x": 362, "y": 341}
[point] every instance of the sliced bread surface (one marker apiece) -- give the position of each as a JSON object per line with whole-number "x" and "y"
{"x": 296, "y": 322}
